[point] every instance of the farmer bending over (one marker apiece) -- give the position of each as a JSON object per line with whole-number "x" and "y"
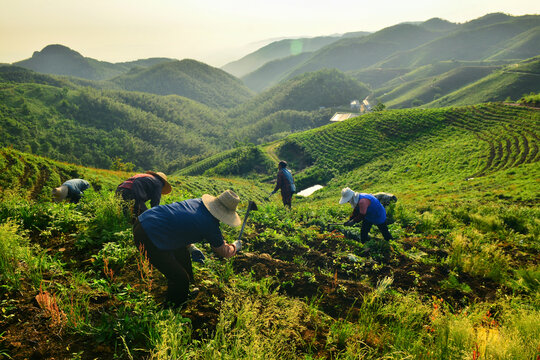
{"x": 167, "y": 232}
{"x": 368, "y": 209}
{"x": 140, "y": 188}
{"x": 72, "y": 190}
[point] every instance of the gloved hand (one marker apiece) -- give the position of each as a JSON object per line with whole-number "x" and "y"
{"x": 349, "y": 223}
{"x": 196, "y": 254}
{"x": 238, "y": 245}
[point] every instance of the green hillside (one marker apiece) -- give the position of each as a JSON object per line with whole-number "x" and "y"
{"x": 307, "y": 92}
{"x": 188, "y": 78}
{"x": 58, "y": 118}
{"x": 375, "y": 78}
{"x": 93, "y": 127}
{"x": 277, "y": 50}
{"x": 459, "y": 279}
{"x": 435, "y": 69}
{"x": 512, "y": 81}
{"x": 342, "y": 147}
{"x": 418, "y": 92}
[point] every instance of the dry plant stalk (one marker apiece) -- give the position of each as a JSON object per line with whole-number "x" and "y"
{"x": 109, "y": 273}
{"x": 49, "y": 305}
{"x": 145, "y": 268}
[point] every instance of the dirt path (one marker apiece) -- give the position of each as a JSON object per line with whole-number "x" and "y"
{"x": 271, "y": 151}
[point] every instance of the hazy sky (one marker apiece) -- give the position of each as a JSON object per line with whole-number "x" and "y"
{"x": 212, "y": 31}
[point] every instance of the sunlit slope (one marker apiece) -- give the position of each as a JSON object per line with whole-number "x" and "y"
{"x": 511, "y": 81}
{"x": 424, "y": 90}
{"x": 36, "y": 176}
{"x": 497, "y": 137}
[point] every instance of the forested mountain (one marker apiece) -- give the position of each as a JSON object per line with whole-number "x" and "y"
{"x": 283, "y": 107}
{"x": 55, "y": 117}
{"x": 188, "y": 78}
{"x": 61, "y": 60}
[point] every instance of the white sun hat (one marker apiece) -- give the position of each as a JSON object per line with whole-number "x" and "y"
{"x": 346, "y": 195}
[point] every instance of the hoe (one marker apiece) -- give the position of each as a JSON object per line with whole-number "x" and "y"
{"x": 251, "y": 206}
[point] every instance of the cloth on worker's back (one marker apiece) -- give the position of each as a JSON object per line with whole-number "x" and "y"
{"x": 385, "y": 198}
{"x": 290, "y": 179}
{"x": 285, "y": 182}
{"x": 138, "y": 189}
{"x": 374, "y": 213}
{"x": 182, "y": 223}
{"x": 144, "y": 187}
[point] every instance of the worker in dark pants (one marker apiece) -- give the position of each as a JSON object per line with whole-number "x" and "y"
{"x": 71, "y": 190}
{"x": 368, "y": 209}
{"x": 166, "y": 233}
{"x": 140, "y": 188}
{"x": 285, "y": 182}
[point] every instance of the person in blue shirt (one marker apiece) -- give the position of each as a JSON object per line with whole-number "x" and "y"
{"x": 71, "y": 190}
{"x": 368, "y": 209}
{"x": 285, "y": 182}
{"x": 167, "y": 232}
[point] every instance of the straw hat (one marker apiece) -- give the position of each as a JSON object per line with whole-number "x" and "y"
{"x": 60, "y": 193}
{"x": 346, "y": 195}
{"x": 166, "y": 187}
{"x": 223, "y": 207}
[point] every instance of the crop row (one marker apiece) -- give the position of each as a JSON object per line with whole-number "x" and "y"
{"x": 511, "y": 134}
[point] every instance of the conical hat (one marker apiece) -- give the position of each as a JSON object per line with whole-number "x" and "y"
{"x": 166, "y": 187}
{"x": 223, "y": 207}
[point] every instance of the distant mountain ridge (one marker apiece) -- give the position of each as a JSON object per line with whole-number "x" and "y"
{"x": 281, "y": 49}
{"x": 188, "y": 78}
{"x": 403, "y": 47}
{"x": 60, "y": 60}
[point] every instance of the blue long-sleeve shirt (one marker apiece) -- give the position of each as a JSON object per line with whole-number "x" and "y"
{"x": 179, "y": 224}
{"x": 76, "y": 187}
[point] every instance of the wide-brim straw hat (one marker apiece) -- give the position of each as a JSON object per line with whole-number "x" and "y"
{"x": 223, "y": 207}
{"x": 167, "y": 188}
{"x": 60, "y": 193}
{"x": 346, "y": 195}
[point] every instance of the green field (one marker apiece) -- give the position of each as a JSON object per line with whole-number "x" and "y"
{"x": 460, "y": 280}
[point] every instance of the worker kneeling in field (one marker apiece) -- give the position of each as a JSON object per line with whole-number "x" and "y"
{"x": 167, "y": 232}
{"x": 72, "y": 190}
{"x": 368, "y": 209}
